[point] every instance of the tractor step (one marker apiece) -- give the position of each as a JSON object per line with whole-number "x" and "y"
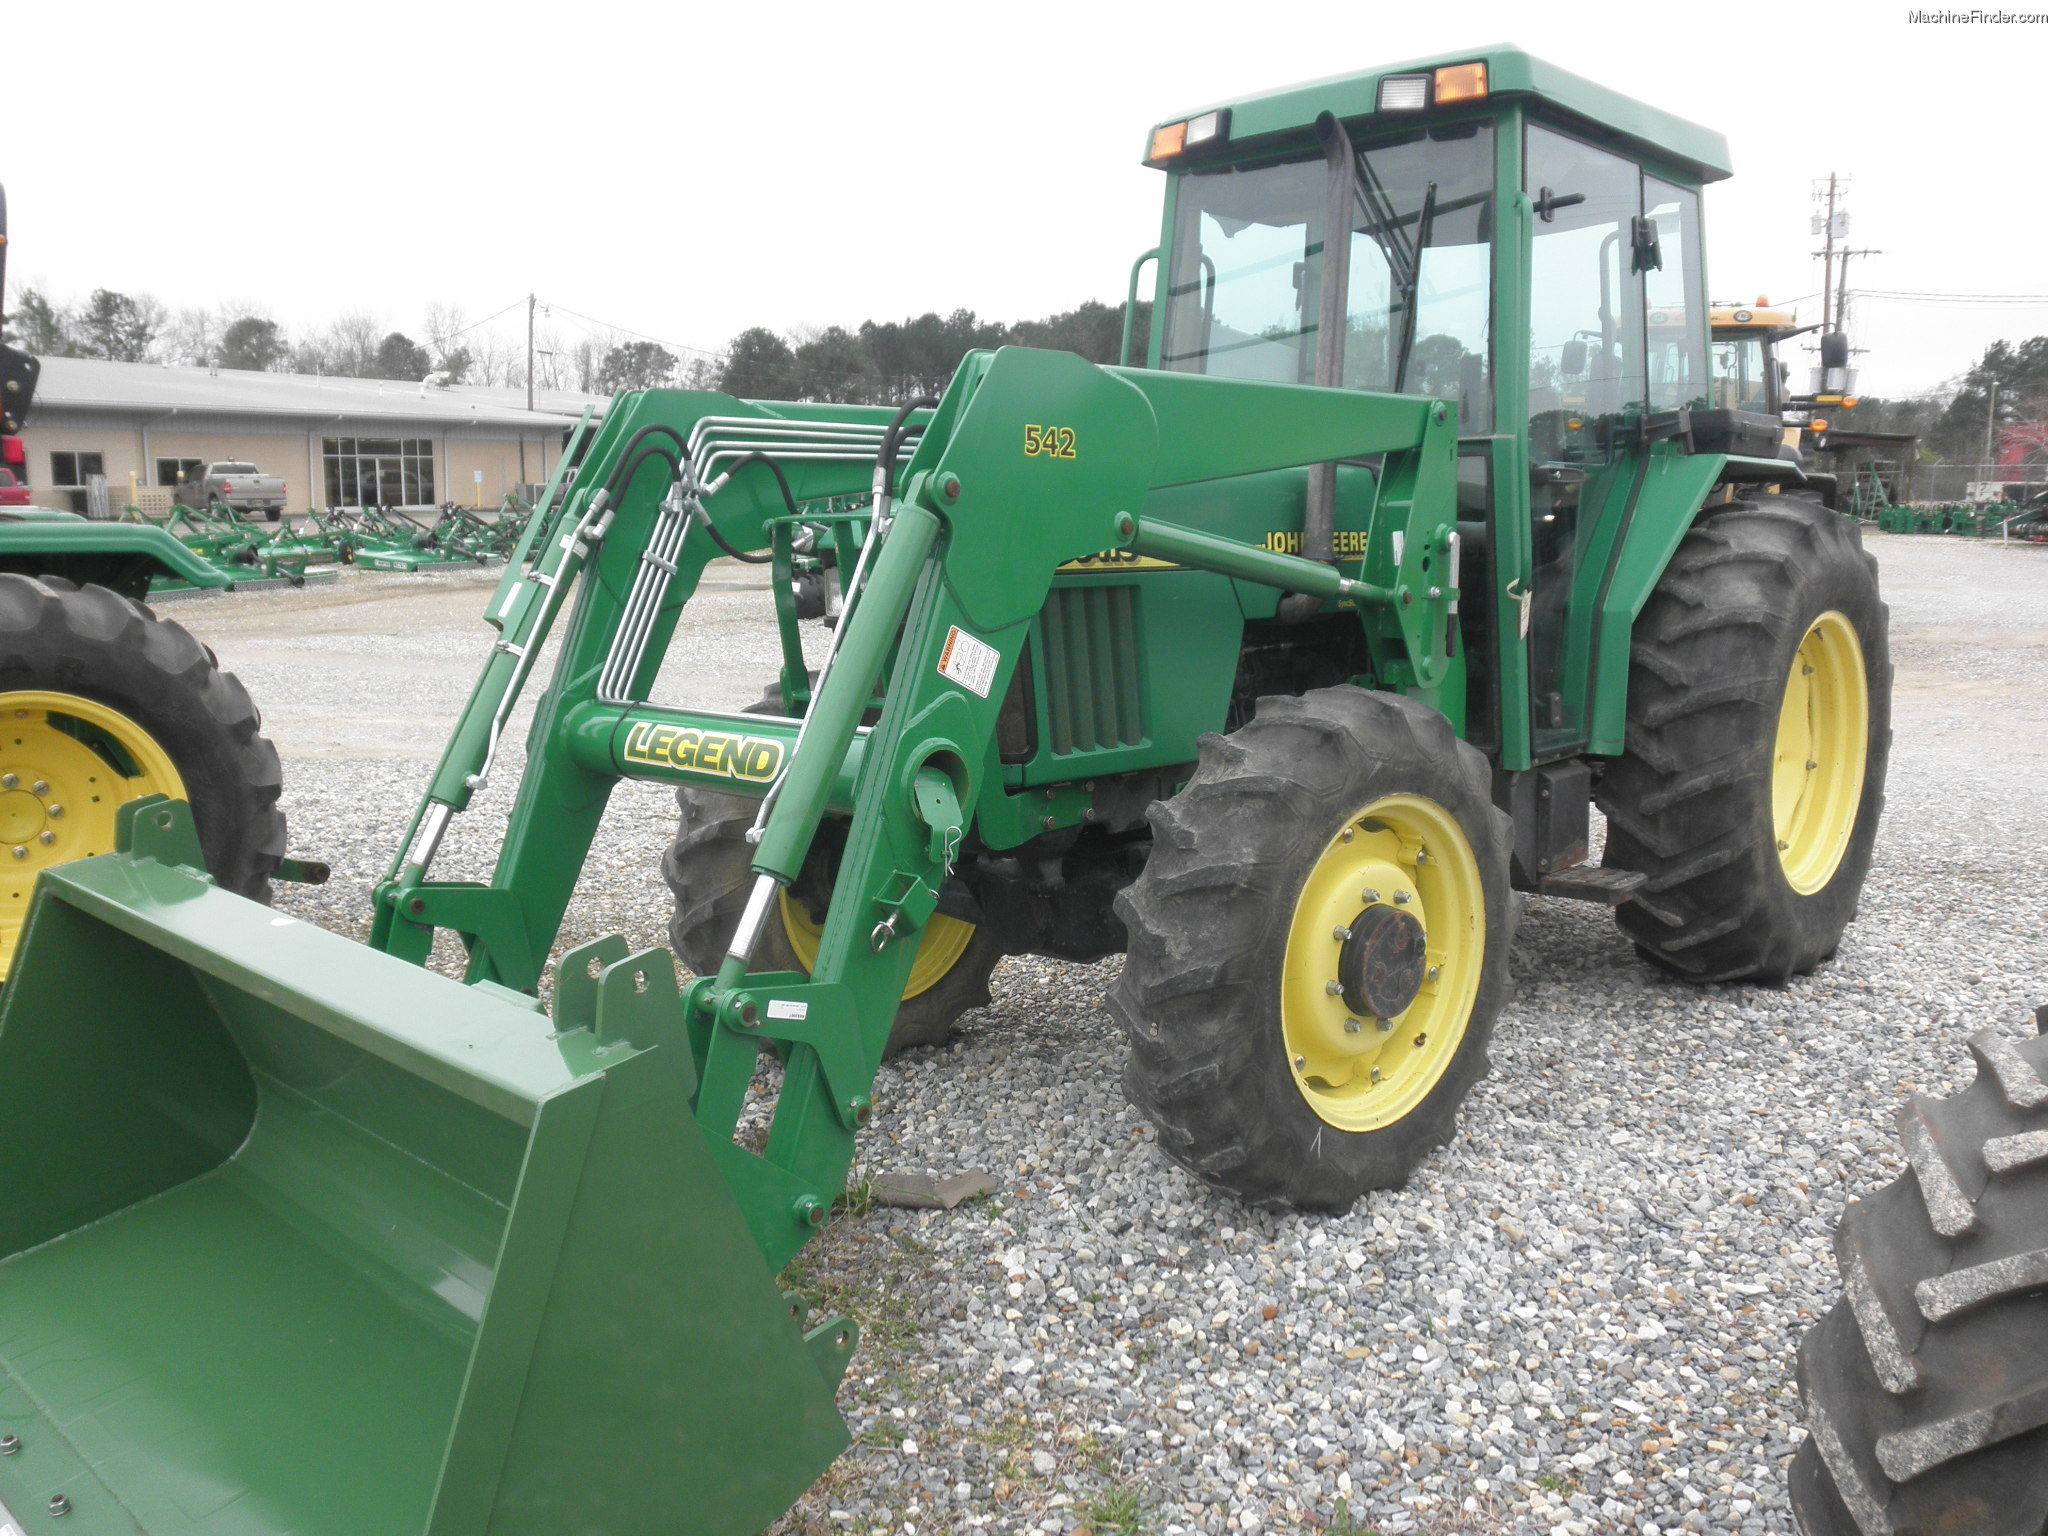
{"x": 1592, "y": 882}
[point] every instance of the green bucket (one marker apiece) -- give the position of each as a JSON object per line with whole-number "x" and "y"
{"x": 298, "y": 1239}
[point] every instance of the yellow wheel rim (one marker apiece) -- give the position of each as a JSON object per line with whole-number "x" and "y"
{"x": 945, "y": 941}
{"x": 1406, "y": 855}
{"x": 67, "y": 764}
{"x": 1822, "y": 748}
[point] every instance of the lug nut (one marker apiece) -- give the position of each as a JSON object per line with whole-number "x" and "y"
{"x": 1402, "y": 898}
{"x": 1375, "y": 1074}
{"x": 1783, "y": 845}
{"x": 1811, "y": 766}
{"x": 59, "y": 1505}
{"x": 1352, "y": 1026}
{"x": 1301, "y": 1063}
{"x": 10, "y": 1445}
{"x": 21, "y": 850}
{"x": 1368, "y": 895}
{"x": 55, "y": 811}
{"x": 1421, "y": 857}
{"x": 1334, "y": 988}
{"x": 1384, "y": 1026}
{"x": 1340, "y": 934}
{"x": 40, "y": 787}
{"x": 1346, "y": 835}
{"x": 1436, "y": 973}
{"x": 46, "y": 837}
{"x": 9, "y": 780}
{"x": 1421, "y": 1040}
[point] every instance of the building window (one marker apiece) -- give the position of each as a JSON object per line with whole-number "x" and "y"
{"x": 171, "y": 471}
{"x": 73, "y": 469}
{"x": 379, "y": 471}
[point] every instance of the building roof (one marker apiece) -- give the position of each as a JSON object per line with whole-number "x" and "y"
{"x": 87, "y": 384}
{"x": 1354, "y": 98}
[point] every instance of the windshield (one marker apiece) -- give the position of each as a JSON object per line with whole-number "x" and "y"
{"x": 1245, "y": 293}
{"x": 1740, "y": 383}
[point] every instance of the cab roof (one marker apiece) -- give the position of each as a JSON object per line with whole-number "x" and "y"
{"x": 1510, "y": 73}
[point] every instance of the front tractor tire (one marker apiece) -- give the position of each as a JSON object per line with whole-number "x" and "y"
{"x": 1926, "y": 1386}
{"x": 101, "y": 703}
{"x": 709, "y": 870}
{"x": 1318, "y": 949}
{"x": 1759, "y": 723}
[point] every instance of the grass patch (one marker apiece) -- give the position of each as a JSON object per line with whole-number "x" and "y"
{"x": 1117, "y": 1512}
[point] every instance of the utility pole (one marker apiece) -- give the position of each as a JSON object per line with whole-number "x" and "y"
{"x": 1827, "y": 256}
{"x": 529, "y": 351}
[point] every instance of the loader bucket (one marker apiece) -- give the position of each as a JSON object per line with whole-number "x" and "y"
{"x": 297, "y": 1239}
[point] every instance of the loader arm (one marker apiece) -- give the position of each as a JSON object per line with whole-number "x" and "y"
{"x": 961, "y": 571}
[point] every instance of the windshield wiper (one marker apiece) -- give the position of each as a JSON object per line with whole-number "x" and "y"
{"x": 1424, "y": 221}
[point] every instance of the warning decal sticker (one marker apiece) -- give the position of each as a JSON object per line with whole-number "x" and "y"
{"x": 969, "y": 662}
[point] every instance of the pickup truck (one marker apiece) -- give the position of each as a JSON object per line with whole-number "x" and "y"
{"x": 234, "y": 485}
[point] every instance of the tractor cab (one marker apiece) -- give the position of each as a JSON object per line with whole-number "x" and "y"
{"x": 1502, "y": 235}
{"x": 1748, "y": 373}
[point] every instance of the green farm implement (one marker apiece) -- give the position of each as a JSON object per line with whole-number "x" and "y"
{"x": 1280, "y": 664}
{"x": 388, "y": 539}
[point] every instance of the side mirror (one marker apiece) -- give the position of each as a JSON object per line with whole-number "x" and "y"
{"x": 1834, "y": 350}
{"x": 1648, "y": 250}
{"x": 1572, "y": 359}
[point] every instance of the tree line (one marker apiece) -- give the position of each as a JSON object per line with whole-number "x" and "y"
{"x": 872, "y": 363}
{"x": 1960, "y": 421}
{"x": 875, "y": 362}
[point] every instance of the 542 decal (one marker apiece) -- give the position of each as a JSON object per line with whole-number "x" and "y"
{"x": 1049, "y": 442}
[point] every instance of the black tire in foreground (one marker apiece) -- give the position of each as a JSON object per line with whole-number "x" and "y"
{"x": 1759, "y": 724}
{"x": 708, "y": 870}
{"x": 1318, "y": 949}
{"x": 93, "y": 689}
{"x": 1926, "y": 1386}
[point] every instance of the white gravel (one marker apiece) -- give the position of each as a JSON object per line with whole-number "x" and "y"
{"x": 1578, "y": 1318}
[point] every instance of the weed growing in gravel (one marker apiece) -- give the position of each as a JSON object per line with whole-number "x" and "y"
{"x": 1117, "y": 1512}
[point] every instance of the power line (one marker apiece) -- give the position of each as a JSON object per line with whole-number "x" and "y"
{"x": 487, "y": 319}
{"x": 627, "y": 330}
{"x": 1910, "y": 296}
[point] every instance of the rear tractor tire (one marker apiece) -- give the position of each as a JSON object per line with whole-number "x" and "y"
{"x": 1318, "y": 949}
{"x": 1759, "y": 723}
{"x": 102, "y": 702}
{"x": 709, "y": 871}
{"x": 1926, "y": 1386}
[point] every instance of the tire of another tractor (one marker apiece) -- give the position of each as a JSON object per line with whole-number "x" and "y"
{"x": 101, "y": 702}
{"x": 708, "y": 870}
{"x": 1926, "y": 1386}
{"x": 1318, "y": 949}
{"x": 1759, "y": 724}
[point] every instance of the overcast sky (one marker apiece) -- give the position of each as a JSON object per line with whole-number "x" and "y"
{"x": 688, "y": 171}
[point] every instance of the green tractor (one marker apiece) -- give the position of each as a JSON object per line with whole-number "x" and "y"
{"x": 1281, "y": 664}
{"x": 103, "y": 703}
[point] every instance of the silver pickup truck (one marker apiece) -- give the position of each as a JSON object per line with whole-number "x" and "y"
{"x": 235, "y": 485}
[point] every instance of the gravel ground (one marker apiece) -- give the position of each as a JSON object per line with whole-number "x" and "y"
{"x": 1577, "y": 1318}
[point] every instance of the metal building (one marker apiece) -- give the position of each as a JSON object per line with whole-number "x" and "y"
{"x": 334, "y": 441}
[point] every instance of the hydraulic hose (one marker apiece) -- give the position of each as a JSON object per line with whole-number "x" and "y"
{"x": 788, "y": 500}
{"x": 892, "y": 440}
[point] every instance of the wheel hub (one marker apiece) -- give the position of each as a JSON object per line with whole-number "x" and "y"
{"x": 1382, "y": 965}
{"x": 21, "y": 816}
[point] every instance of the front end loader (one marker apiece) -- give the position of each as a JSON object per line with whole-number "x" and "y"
{"x": 1282, "y": 665}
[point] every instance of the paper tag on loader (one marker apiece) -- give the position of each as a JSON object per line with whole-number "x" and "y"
{"x": 969, "y": 662}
